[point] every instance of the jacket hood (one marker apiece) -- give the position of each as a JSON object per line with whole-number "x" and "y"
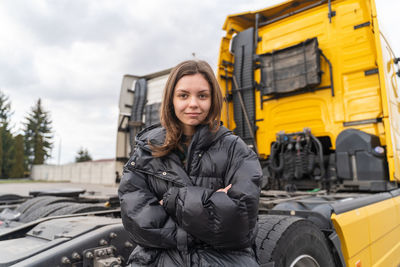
{"x": 203, "y": 137}
{"x": 155, "y": 134}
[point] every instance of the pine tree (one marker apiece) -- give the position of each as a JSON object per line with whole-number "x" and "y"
{"x": 39, "y": 151}
{"x": 7, "y": 152}
{"x": 83, "y": 155}
{"x": 17, "y": 170}
{"x": 1, "y": 152}
{"x": 38, "y": 135}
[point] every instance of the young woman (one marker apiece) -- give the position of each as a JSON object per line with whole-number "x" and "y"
{"x": 189, "y": 194}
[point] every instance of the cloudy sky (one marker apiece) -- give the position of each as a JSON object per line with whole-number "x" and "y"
{"x": 73, "y": 54}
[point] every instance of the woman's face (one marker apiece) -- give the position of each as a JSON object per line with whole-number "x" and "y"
{"x": 192, "y": 101}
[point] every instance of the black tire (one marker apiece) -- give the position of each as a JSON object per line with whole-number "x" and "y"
{"x": 44, "y": 211}
{"x": 78, "y": 208}
{"x": 290, "y": 241}
{"x": 42, "y": 202}
{"x": 27, "y": 204}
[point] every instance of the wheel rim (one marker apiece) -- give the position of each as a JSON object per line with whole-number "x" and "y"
{"x": 304, "y": 261}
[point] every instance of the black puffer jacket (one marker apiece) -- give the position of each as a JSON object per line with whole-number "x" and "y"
{"x": 196, "y": 224}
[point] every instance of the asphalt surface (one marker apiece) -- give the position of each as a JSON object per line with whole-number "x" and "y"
{"x": 23, "y": 189}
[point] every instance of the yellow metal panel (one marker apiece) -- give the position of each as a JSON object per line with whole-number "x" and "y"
{"x": 353, "y": 230}
{"x": 292, "y": 31}
{"x": 382, "y": 218}
{"x": 351, "y": 50}
{"x": 393, "y": 168}
{"x": 292, "y": 114}
{"x": 385, "y": 230}
{"x": 385, "y": 251}
{"x": 226, "y": 70}
{"x": 362, "y": 258}
{"x": 391, "y": 105}
{"x": 361, "y": 96}
{"x": 370, "y": 234}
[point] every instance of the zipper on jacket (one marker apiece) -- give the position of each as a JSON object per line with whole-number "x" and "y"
{"x": 190, "y": 154}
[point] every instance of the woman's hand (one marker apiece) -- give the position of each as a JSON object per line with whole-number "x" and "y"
{"x": 225, "y": 190}
{"x": 161, "y": 202}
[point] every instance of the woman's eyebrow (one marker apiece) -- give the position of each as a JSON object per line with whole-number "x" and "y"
{"x": 181, "y": 89}
{"x": 187, "y": 91}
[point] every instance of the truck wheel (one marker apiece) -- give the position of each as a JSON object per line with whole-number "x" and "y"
{"x": 27, "y": 204}
{"x": 44, "y": 211}
{"x": 78, "y": 208}
{"x": 43, "y": 201}
{"x": 291, "y": 242}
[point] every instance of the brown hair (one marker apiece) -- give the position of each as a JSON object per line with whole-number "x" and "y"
{"x": 168, "y": 118}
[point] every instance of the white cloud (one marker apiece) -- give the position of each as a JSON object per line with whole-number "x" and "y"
{"x": 73, "y": 55}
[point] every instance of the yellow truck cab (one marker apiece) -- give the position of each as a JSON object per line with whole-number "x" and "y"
{"x": 311, "y": 86}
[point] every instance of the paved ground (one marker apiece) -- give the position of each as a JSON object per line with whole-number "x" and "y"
{"x": 23, "y": 189}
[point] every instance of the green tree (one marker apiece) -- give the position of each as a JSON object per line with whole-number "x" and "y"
{"x": 1, "y": 152}
{"x": 83, "y": 155}
{"x": 38, "y": 135}
{"x": 17, "y": 169}
{"x": 39, "y": 151}
{"x": 7, "y": 151}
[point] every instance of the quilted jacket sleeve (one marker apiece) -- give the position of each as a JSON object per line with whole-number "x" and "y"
{"x": 225, "y": 221}
{"x": 142, "y": 215}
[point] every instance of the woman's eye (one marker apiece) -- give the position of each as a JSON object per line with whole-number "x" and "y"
{"x": 182, "y": 96}
{"x": 203, "y": 96}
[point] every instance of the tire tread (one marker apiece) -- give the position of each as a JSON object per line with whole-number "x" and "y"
{"x": 270, "y": 229}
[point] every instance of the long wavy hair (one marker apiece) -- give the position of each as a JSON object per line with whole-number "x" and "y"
{"x": 168, "y": 117}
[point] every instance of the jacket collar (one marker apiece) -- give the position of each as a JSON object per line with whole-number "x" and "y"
{"x": 202, "y": 139}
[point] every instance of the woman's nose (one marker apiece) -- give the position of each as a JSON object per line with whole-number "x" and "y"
{"x": 193, "y": 102}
